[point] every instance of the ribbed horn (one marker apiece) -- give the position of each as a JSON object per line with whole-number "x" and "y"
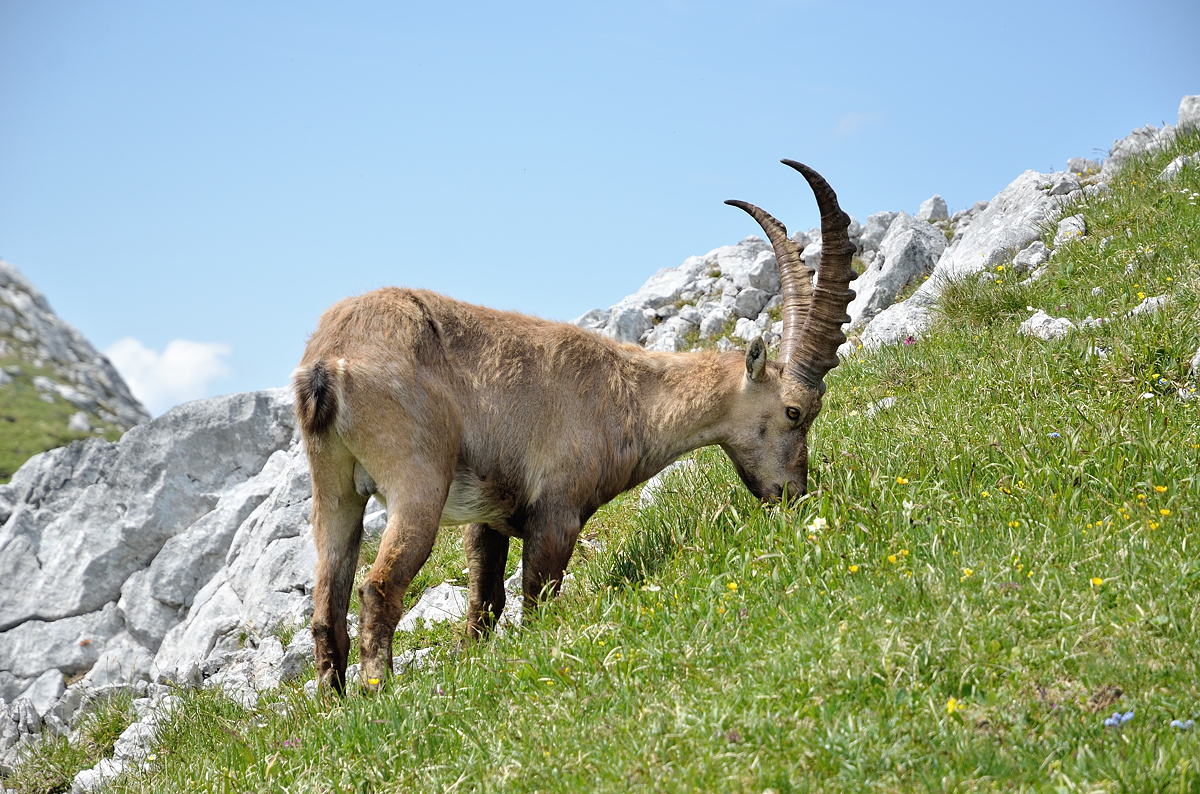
{"x": 794, "y": 275}
{"x": 821, "y": 336}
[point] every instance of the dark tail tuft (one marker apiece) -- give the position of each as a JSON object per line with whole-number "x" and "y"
{"x": 316, "y": 398}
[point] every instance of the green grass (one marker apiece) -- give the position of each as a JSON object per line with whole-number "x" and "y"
{"x": 55, "y": 763}
{"x": 30, "y": 425}
{"x": 979, "y": 576}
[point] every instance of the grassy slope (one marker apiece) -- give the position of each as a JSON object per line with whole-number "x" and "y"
{"x": 28, "y": 424}
{"x": 981, "y": 596}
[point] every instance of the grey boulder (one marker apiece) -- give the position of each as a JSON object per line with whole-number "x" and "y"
{"x": 933, "y": 209}
{"x": 907, "y": 253}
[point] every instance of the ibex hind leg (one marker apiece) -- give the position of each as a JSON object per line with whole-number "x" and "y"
{"x": 411, "y": 530}
{"x": 487, "y": 552}
{"x": 337, "y": 515}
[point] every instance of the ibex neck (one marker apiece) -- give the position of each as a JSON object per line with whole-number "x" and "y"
{"x": 686, "y": 401}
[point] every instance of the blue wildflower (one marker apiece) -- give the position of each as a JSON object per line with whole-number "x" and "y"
{"x": 1127, "y": 716}
{"x": 1183, "y": 725}
{"x": 1056, "y": 435}
{"x": 1111, "y": 723}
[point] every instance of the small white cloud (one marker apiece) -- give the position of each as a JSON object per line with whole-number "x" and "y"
{"x": 851, "y": 123}
{"x": 182, "y": 372}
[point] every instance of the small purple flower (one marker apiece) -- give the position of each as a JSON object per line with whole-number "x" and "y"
{"x": 908, "y": 340}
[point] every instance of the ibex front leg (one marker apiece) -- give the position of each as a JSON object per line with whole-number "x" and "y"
{"x": 487, "y": 553}
{"x": 549, "y": 540}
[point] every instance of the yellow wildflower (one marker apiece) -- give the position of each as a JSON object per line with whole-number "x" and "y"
{"x": 892, "y": 558}
{"x": 853, "y": 569}
{"x": 373, "y": 681}
{"x": 1097, "y": 581}
{"x": 902, "y": 480}
{"x": 1164, "y": 511}
{"x": 953, "y": 705}
{"x": 732, "y": 586}
{"x": 1160, "y": 488}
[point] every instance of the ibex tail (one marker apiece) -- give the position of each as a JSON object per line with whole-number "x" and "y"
{"x": 316, "y": 397}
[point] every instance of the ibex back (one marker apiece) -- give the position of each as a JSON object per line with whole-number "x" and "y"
{"x": 518, "y": 427}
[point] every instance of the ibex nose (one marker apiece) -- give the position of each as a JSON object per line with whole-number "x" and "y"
{"x": 791, "y": 491}
{"x": 783, "y": 493}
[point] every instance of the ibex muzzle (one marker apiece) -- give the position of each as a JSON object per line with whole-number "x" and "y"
{"x": 518, "y": 427}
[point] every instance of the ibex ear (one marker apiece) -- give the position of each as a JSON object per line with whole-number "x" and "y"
{"x": 756, "y": 360}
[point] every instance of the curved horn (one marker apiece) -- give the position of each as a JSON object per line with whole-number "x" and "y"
{"x": 816, "y": 352}
{"x": 794, "y": 275}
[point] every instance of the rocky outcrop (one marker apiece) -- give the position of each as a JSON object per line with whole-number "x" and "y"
{"x": 907, "y": 253}
{"x": 114, "y": 553}
{"x": 37, "y": 345}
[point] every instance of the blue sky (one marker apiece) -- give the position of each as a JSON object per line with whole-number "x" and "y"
{"x": 191, "y": 183}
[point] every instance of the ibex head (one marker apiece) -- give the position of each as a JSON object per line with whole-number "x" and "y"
{"x": 779, "y": 400}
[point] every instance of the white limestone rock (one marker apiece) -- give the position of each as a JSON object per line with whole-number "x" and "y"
{"x": 1070, "y": 229}
{"x": 123, "y": 661}
{"x": 1043, "y": 326}
{"x": 298, "y": 656}
{"x": 907, "y": 253}
{"x": 748, "y": 264}
{"x": 653, "y": 486}
{"x": 1082, "y": 167}
{"x": 1063, "y": 184}
{"x": 443, "y": 602}
{"x": 1148, "y": 139}
{"x": 1032, "y": 257}
{"x": 750, "y": 302}
{"x": 933, "y": 209}
{"x": 45, "y": 691}
{"x": 1148, "y": 306}
{"x": 71, "y": 644}
{"x": 1177, "y": 165}
{"x": 668, "y": 335}
{"x": 747, "y": 329}
{"x": 217, "y": 613}
{"x": 1011, "y": 221}
{"x": 811, "y": 254}
{"x": 375, "y": 522}
{"x": 1189, "y": 113}
{"x": 875, "y": 229}
{"x": 627, "y": 323}
{"x": 87, "y": 516}
{"x": 714, "y": 321}
{"x": 878, "y": 407}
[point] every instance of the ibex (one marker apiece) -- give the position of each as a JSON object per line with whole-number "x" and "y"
{"x": 520, "y": 427}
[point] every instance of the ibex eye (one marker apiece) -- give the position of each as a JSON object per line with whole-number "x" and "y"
{"x": 793, "y": 414}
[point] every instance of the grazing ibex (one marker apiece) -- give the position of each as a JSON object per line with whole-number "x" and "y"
{"x": 519, "y": 427}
